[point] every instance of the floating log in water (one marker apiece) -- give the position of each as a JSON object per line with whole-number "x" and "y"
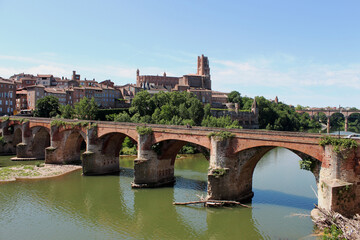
{"x": 213, "y": 203}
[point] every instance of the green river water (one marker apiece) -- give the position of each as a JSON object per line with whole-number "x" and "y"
{"x": 105, "y": 207}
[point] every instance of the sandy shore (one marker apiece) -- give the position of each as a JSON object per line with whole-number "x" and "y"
{"x": 29, "y": 172}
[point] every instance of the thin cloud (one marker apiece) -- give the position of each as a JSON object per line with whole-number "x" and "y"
{"x": 265, "y": 74}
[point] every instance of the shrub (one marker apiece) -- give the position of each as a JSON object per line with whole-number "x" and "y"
{"x": 142, "y": 130}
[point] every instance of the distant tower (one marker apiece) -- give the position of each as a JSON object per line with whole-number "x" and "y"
{"x": 203, "y": 66}
{"x": 254, "y": 108}
{"x": 276, "y": 100}
{"x": 164, "y": 74}
{"x": 75, "y": 77}
{"x": 138, "y": 83}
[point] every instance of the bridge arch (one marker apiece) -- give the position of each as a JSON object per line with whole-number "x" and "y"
{"x": 17, "y": 136}
{"x": 312, "y": 150}
{"x": 241, "y": 167}
{"x": 74, "y": 141}
{"x": 40, "y": 141}
{"x": 111, "y": 143}
{"x": 203, "y": 141}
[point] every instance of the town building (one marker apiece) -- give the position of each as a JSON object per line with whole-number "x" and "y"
{"x": 45, "y": 80}
{"x": 7, "y": 96}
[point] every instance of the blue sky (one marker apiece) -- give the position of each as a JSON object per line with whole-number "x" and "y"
{"x": 304, "y": 52}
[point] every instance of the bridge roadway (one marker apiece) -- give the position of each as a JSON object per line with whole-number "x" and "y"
{"x": 231, "y": 161}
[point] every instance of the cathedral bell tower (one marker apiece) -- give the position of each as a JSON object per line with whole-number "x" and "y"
{"x": 203, "y": 66}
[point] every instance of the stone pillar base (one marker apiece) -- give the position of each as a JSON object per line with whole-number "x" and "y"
{"x": 221, "y": 186}
{"x": 94, "y": 164}
{"x": 21, "y": 150}
{"x": 51, "y": 156}
{"x": 164, "y": 183}
{"x": 149, "y": 174}
{"x": 338, "y": 196}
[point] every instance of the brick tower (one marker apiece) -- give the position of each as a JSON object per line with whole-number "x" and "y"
{"x": 203, "y": 66}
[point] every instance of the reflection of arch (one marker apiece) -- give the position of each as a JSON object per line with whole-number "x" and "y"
{"x": 72, "y": 146}
{"x": 40, "y": 142}
{"x": 112, "y": 143}
{"x": 17, "y": 136}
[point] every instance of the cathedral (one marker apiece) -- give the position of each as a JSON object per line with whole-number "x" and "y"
{"x": 199, "y": 83}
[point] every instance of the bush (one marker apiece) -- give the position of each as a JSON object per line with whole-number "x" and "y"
{"x": 339, "y": 144}
{"x": 222, "y": 135}
{"x": 144, "y": 130}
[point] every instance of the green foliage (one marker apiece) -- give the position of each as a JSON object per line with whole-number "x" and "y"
{"x": 2, "y": 141}
{"x": 59, "y": 123}
{"x": 5, "y": 118}
{"x": 222, "y": 135}
{"x": 22, "y": 120}
{"x": 67, "y": 111}
{"x": 157, "y": 147}
{"x": 47, "y": 107}
{"x": 128, "y": 151}
{"x": 339, "y": 144}
{"x": 142, "y": 130}
{"x": 174, "y": 108}
{"x": 188, "y": 149}
{"x": 86, "y": 109}
{"x": 217, "y": 172}
{"x": 39, "y": 164}
{"x": 307, "y": 164}
{"x": 122, "y": 117}
{"x": 221, "y": 122}
{"x": 102, "y": 114}
{"x": 333, "y": 233}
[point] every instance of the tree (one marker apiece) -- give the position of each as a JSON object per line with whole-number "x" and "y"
{"x": 67, "y": 111}
{"x": 86, "y": 109}
{"x": 142, "y": 104}
{"x": 47, "y": 107}
{"x": 234, "y": 97}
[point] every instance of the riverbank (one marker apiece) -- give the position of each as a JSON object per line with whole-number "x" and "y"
{"x": 29, "y": 172}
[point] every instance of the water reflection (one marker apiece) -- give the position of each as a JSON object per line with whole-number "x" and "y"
{"x": 105, "y": 207}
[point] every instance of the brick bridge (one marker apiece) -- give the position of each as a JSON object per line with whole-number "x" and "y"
{"x": 329, "y": 113}
{"x": 232, "y": 160}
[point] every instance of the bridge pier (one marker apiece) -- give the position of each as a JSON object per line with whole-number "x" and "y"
{"x": 94, "y": 161}
{"x": 23, "y": 150}
{"x": 53, "y": 154}
{"x": 338, "y": 188}
{"x": 7, "y": 134}
{"x": 346, "y": 123}
{"x": 149, "y": 170}
{"x": 230, "y": 175}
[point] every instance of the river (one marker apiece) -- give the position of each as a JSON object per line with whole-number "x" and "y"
{"x": 105, "y": 207}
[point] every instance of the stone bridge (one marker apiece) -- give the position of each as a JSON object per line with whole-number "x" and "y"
{"x": 231, "y": 160}
{"x": 329, "y": 113}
